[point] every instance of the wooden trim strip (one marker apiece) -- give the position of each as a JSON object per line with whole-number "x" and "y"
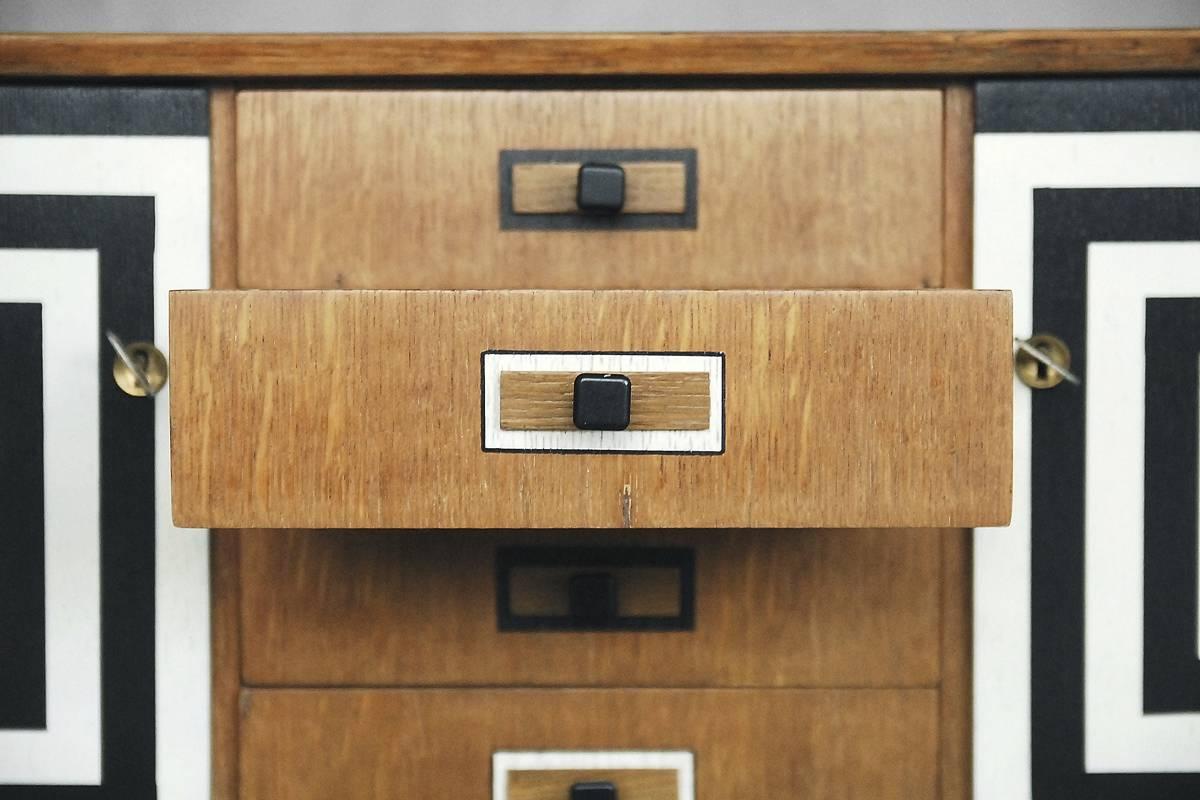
{"x": 631, "y": 784}
{"x": 955, "y": 695}
{"x": 651, "y": 187}
{"x": 660, "y": 401}
{"x": 224, "y": 551}
{"x": 713, "y": 54}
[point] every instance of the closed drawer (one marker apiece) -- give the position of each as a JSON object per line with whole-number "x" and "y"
{"x": 407, "y": 189}
{"x": 373, "y": 409}
{"x": 815, "y": 608}
{"x": 880, "y": 744}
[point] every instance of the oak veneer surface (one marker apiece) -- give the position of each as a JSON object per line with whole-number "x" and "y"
{"x": 635, "y": 784}
{"x": 1020, "y": 52}
{"x": 662, "y": 401}
{"x": 773, "y": 608}
{"x": 362, "y": 409}
{"x": 401, "y": 189}
{"x": 553, "y": 188}
{"x": 778, "y": 743}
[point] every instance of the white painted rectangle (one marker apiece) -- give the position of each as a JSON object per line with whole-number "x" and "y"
{"x": 710, "y": 440}
{"x": 67, "y": 285}
{"x": 681, "y": 761}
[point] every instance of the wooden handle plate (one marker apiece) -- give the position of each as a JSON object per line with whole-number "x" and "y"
{"x": 650, "y": 188}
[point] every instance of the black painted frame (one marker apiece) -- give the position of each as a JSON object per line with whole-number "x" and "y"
{"x": 122, "y": 230}
{"x": 1065, "y": 105}
{"x": 23, "y": 498}
{"x": 1172, "y": 668}
{"x": 1065, "y": 222}
{"x": 680, "y": 559}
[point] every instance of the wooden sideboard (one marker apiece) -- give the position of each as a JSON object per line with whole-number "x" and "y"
{"x": 822, "y": 660}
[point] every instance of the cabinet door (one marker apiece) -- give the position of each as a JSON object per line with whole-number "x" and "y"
{"x": 103, "y": 602}
{"x": 1088, "y": 204}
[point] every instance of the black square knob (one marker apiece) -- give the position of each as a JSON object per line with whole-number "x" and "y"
{"x": 592, "y": 599}
{"x": 601, "y": 188}
{"x": 602, "y": 402}
{"x": 594, "y": 790}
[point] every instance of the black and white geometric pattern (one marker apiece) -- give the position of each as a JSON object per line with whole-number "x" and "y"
{"x": 104, "y": 604}
{"x": 1086, "y": 658}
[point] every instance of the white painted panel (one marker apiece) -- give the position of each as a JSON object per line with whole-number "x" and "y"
{"x": 1008, "y": 167}
{"x": 175, "y": 171}
{"x": 67, "y": 284}
{"x": 681, "y": 761}
{"x": 710, "y": 440}
{"x": 1118, "y": 736}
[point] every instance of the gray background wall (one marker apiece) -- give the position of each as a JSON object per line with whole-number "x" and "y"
{"x": 586, "y": 15}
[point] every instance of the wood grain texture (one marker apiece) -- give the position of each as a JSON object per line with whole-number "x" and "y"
{"x": 650, "y": 188}
{"x": 955, "y": 696}
{"x": 659, "y": 401}
{"x": 224, "y": 546}
{"x": 362, "y": 409}
{"x": 773, "y": 608}
{"x": 878, "y": 744}
{"x": 631, "y": 784}
{"x": 377, "y": 189}
{"x": 767, "y": 54}
{"x": 959, "y": 176}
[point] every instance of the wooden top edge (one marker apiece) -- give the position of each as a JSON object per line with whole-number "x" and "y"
{"x": 643, "y": 54}
{"x": 201, "y": 293}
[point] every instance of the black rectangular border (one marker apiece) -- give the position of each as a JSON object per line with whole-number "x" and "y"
{"x": 23, "y": 536}
{"x": 512, "y": 221}
{"x": 483, "y": 405}
{"x": 1171, "y": 673}
{"x": 102, "y": 110}
{"x": 1076, "y": 105}
{"x": 680, "y": 558}
{"x": 1065, "y": 222}
{"x": 122, "y": 230}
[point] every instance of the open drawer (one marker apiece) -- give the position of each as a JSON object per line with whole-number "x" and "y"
{"x": 462, "y": 409}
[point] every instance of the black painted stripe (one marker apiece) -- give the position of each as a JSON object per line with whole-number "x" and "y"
{"x": 1087, "y": 104}
{"x": 1172, "y": 670}
{"x": 22, "y": 498}
{"x": 122, "y": 230}
{"x": 93, "y": 110}
{"x": 1065, "y": 221}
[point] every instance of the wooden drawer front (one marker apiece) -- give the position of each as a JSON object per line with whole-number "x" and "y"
{"x": 362, "y": 409}
{"x": 773, "y": 608}
{"x": 401, "y": 189}
{"x": 763, "y": 743}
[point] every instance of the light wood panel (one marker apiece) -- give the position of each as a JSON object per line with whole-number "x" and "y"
{"x": 659, "y": 401}
{"x": 773, "y": 608}
{"x": 490, "y": 54}
{"x": 631, "y": 784}
{"x": 650, "y": 188}
{"x": 374, "y": 189}
{"x": 362, "y": 409}
{"x": 878, "y": 744}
